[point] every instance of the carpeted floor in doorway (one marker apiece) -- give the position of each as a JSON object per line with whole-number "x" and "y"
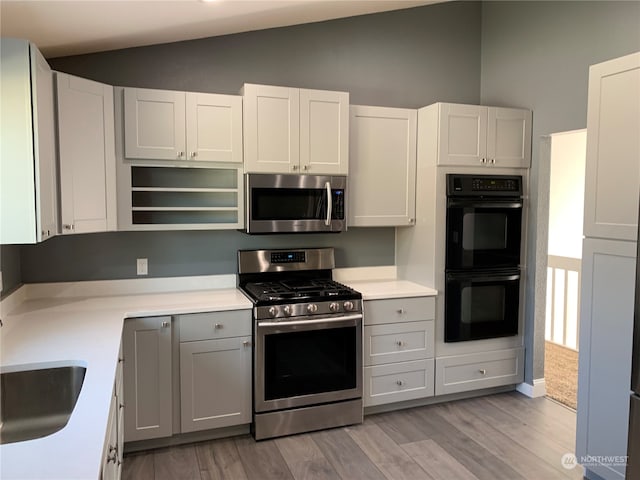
{"x": 561, "y": 373}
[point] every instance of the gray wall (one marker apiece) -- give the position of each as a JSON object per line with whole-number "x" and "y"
{"x": 407, "y": 58}
{"x": 537, "y": 55}
{"x": 10, "y": 266}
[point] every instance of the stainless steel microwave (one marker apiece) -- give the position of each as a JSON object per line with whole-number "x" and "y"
{"x": 295, "y": 203}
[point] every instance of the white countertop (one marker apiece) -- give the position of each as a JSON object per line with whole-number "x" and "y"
{"x": 87, "y": 332}
{"x": 81, "y": 324}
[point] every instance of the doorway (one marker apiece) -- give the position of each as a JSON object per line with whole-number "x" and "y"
{"x": 564, "y": 258}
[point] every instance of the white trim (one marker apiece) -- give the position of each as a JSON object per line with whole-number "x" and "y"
{"x": 358, "y": 274}
{"x": 538, "y": 389}
{"x": 130, "y": 286}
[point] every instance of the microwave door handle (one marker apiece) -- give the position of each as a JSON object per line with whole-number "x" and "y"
{"x": 484, "y": 204}
{"x": 327, "y": 222}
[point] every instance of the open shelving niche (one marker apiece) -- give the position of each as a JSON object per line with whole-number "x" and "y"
{"x": 182, "y": 197}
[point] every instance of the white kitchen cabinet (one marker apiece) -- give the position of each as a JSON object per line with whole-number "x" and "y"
{"x": 147, "y": 378}
{"x": 114, "y": 440}
{"x": 612, "y": 177}
{"x": 398, "y": 350}
{"x": 86, "y": 154}
{"x": 606, "y": 337}
{"x": 291, "y": 130}
{"x": 215, "y": 370}
{"x": 474, "y": 135}
{"x": 188, "y": 126}
{"x": 382, "y": 180}
{"x": 28, "y": 176}
{"x": 463, "y": 373}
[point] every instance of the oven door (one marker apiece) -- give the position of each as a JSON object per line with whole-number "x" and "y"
{"x": 483, "y": 233}
{"x": 295, "y": 203}
{"x": 480, "y": 305}
{"x": 307, "y": 361}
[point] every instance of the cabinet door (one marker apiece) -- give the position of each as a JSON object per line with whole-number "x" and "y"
{"x": 606, "y": 332}
{"x": 324, "y": 132}
{"x": 382, "y": 180}
{"x": 463, "y": 135}
{"x": 147, "y": 378}
{"x": 612, "y": 182}
{"x": 44, "y": 146}
{"x": 271, "y": 129}
{"x": 214, "y": 127}
{"x": 87, "y": 155}
{"x": 508, "y": 137}
{"x": 215, "y": 383}
{"x": 154, "y": 124}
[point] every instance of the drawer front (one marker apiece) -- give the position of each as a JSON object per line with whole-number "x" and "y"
{"x": 398, "y": 342}
{"x": 462, "y": 373}
{"x": 212, "y": 325}
{"x": 398, "y": 382}
{"x": 399, "y": 310}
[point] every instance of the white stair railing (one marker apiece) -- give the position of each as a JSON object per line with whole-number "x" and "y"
{"x": 563, "y": 301}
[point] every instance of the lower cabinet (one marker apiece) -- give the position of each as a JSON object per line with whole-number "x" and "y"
{"x": 398, "y": 350}
{"x": 461, "y": 373}
{"x": 114, "y": 439}
{"x": 215, "y": 370}
{"x": 147, "y": 378}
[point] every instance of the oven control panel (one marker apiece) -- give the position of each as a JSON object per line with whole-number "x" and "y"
{"x": 469, "y": 185}
{"x": 288, "y": 257}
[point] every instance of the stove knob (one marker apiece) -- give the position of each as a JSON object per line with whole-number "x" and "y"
{"x": 348, "y": 306}
{"x": 312, "y": 308}
{"x": 287, "y": 310}
{"x": 334, "y": 307}
{"x": 273, "y": 311}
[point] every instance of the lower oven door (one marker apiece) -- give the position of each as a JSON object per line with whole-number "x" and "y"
{"x": 481, "y": 305}
{"x": 307, "y": 361}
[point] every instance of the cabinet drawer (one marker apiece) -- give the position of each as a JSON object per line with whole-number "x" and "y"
{"x": 461, "y": 373}
{"x": 398, "y": 382}
{"x": 398, "y": 342}
{"x": 212, "y": 325}
{"x": 399, "y": 310}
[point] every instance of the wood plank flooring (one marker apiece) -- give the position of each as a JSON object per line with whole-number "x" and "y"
{"x": 505, "y": 436}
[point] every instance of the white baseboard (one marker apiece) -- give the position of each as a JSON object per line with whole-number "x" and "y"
{"x": 538, "y": 389}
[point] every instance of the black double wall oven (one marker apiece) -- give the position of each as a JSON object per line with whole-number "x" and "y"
{"x": 482, "y": 265}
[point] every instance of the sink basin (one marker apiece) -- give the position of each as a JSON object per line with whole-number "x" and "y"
{"x": 36, "y": 403}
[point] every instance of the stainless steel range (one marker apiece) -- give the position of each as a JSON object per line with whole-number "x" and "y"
{"x": 307, "y": 358}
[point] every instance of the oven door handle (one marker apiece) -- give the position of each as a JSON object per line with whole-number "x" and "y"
{"x": 327, "y": 185}
{"x": 482, "y": 204}
{"x": 291, "y": 323}
{"x": 479, "y": 278}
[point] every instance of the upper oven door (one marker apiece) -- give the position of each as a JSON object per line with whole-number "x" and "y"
{"x": 295, "y": 203}
{"x": 307, "y": 361}
{"x": 483, "y": 233}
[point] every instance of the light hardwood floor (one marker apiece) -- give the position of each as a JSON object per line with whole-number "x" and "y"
{"x": 505, "y": 436}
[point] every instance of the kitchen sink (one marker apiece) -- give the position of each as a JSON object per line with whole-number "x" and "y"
{"x": 38, "y": 402}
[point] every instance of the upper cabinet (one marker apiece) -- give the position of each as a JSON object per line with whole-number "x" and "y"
{"x": 170, "y": 125}
{"x": 291, "y": 130}
{"x": 86, "y": 154}
{"x": 28, "y": 178}
{"x": 382, "y": 181}
{"x": 473, "y": 135}
{"x": 612, "y": 180}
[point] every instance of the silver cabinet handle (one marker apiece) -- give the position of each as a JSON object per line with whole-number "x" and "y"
{"x": 305, "y": 167}
{"x": 294, "y": 167}
{"x": 218, "y": 326}
{"x": 165, "y": 324}
{"x": 399, "y": 383}
{"x": 399, "y": 343}
{"x": 246, "y": 343}
{"x": 67, "y": 226}
{"x": 401, "y": 311}
{"x": 492, "y": 161}
{"x": 482, "y": 371}
{"x": 329, "y": 203}
{"x": 194, "y": 154}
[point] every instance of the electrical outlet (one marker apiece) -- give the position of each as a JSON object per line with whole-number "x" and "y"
{"x": 142, "y": 266}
